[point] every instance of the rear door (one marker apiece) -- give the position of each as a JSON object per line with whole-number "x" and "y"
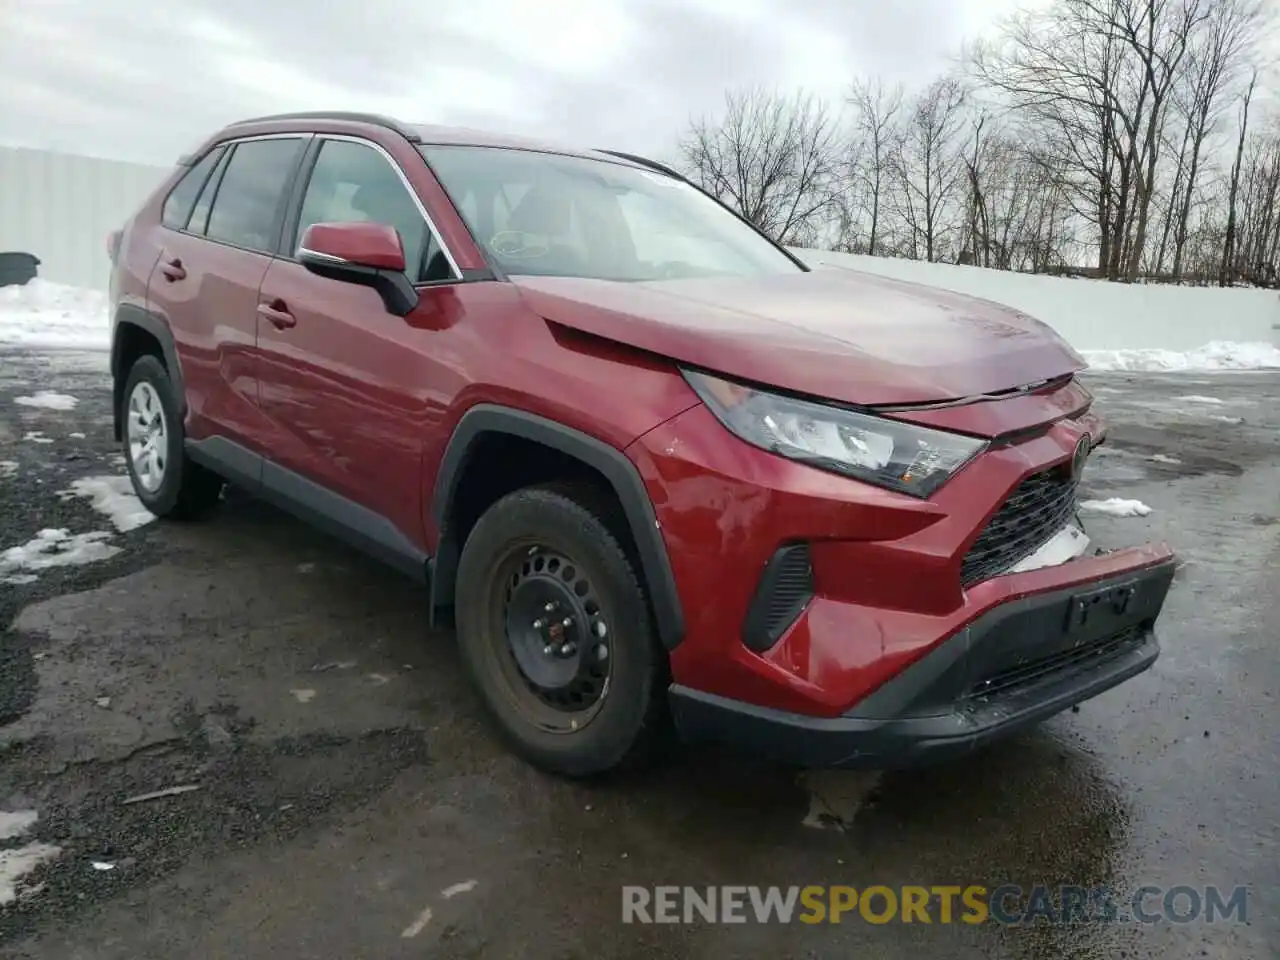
{"x": 216, "y": 250}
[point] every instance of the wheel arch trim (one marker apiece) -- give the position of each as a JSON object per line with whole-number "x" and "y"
{"x": 617, "y": 469}
{"x": 131, "y": 315}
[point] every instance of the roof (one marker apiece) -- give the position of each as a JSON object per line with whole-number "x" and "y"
{"x": 430, "y": 134}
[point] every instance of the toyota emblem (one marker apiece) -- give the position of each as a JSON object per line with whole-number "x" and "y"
{"x": 1083, "y": 448}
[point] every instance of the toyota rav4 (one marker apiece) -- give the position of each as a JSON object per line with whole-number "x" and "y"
{"x": 659, "y": 469}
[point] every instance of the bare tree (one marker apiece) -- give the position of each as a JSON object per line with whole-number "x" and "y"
{"x": 1057, "y": 72}
{"x": 774, "y": 158}
{"x": 927, "y": 165}
{"x": 1228, "y": 244}
{"x": 877, "y": 133}
{"x": 1214, "y": 63}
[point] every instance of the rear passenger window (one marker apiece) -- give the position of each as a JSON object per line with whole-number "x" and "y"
{"x": 251, "y": 192}
{"x": 177, "y": 206}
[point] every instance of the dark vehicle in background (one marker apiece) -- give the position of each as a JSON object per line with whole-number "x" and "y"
{"x": 18, "y": 268}
{"x": 659, "y": 468}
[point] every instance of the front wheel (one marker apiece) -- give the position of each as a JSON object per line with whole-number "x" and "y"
{"x": 555, "y": 630}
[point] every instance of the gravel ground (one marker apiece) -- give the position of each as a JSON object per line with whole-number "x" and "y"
{"x": 347, "y": 800}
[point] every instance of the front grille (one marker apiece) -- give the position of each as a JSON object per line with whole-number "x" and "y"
{"x": 1046, "y": 668}
{"x": 1035, "y": 511}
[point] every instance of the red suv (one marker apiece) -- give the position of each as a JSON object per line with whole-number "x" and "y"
{"x": 659, "y": 468}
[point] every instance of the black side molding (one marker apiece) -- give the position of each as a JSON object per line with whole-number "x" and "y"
{"x": 129, "y": 315}
{"x": 367, "y": 531}
{"x": 620, "y": 473}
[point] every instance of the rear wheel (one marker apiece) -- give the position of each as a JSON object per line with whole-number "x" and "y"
{"x": 555, "y": 630}
{"x": 164, "y": 479}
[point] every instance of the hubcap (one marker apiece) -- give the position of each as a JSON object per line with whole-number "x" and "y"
{"x": 148, "y": 436}
{"x": 556, "y": 632}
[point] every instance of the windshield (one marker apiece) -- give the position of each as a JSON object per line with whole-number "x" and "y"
{"x": 549, "y": 215}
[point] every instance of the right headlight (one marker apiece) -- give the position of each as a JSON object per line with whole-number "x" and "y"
{"x": 888, "y": 453}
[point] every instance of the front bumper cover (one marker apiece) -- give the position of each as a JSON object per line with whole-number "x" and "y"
{"x": 1019, "y": 663}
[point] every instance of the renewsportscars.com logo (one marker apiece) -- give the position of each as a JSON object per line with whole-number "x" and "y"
{"x": 1006, "y": 904}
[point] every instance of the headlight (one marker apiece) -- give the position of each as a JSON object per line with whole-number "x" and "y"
{"x": 888, "y": 453}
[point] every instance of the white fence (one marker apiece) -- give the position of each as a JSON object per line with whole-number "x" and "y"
{"x": 61, "y": 207}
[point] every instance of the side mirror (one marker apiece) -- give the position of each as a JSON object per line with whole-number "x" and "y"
{"x": 369, "y": 254}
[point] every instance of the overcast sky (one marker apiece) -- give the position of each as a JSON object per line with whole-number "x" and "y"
{"x": 145, "y": 81}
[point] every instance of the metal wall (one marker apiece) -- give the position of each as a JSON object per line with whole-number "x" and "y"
{"x": 61, "y": 208}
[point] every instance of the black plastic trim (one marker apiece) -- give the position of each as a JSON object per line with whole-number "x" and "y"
{"x": 764, "y": 624}
{"x": 928, "y": 712}
{"x": 362, "y": 528}
{"x": 130, "y": 315}
{"x": 293, "y": 205}
{"x": 644, "y": 162}
{"x": 339, "y": 116}
{"x": 620, "y": 472}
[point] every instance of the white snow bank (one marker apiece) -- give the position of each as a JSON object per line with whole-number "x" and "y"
{"x": 48, "y": 400}
{"x": 8, "y": 468}
{"x": 1115, "y": 325}
{"x": 53, "y": 548}
{"x": 1197, "y": 398}
{"x": 113, "y": 497}
{"x": 1217, "y": 355}
{"x": 51, "y": 315}
{"x": 1115, "y": 507}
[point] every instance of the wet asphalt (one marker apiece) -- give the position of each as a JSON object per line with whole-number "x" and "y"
{"x": 348, "y": 800}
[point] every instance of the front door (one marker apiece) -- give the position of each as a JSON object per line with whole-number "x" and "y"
{"x": 350, "y": 390}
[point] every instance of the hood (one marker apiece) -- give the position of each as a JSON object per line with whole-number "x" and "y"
{"x": 837, "y": 334}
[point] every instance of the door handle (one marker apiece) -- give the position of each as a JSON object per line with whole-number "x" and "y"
{"x": 173, "y": 270}
{"x": 276, "y": 315}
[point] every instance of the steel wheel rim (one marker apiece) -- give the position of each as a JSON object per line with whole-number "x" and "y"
{"x": 147, "y": 434}
{"x": 557, "y": 690}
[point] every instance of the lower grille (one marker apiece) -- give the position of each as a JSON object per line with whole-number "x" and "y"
{"x": 1046, "y": 668}
{"x": 785, "y": 589}
{"x": 1035, "y": 511}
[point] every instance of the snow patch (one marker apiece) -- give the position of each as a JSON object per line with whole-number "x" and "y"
{"x": 1115, "y": 507}
{"x": 1162, "y": 458}
{"x": 54, "y": 548}
{"x": 8, "y": 468}
{"x": 1217, "y": 355}
{"x": 17, "y": 863}
{"x": 36, "y": 436}
{"x": 44, "y": 314}
{"x": 1197, "y": 398}
{"x": 48, "y": 400}
{"x": 17, "y": 823}
{"x": 113, "y": 497}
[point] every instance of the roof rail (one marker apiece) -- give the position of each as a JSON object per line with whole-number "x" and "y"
{"x": 376, "y": 119}
{"x": 645, "y": 162}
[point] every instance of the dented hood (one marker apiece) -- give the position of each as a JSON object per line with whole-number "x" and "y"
{"x": 838, "y": 334}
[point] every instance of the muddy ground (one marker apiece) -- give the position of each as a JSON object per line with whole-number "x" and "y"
{"x": 349, "y": 799}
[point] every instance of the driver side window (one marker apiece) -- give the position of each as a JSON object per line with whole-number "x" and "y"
{"x": 353, "y": 182}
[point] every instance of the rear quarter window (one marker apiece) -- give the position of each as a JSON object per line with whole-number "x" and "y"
{"x": 177, "y": 206}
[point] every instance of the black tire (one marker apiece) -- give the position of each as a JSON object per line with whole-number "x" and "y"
{"x": 186, "y": 490}
{"x": 497, "y": 573}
